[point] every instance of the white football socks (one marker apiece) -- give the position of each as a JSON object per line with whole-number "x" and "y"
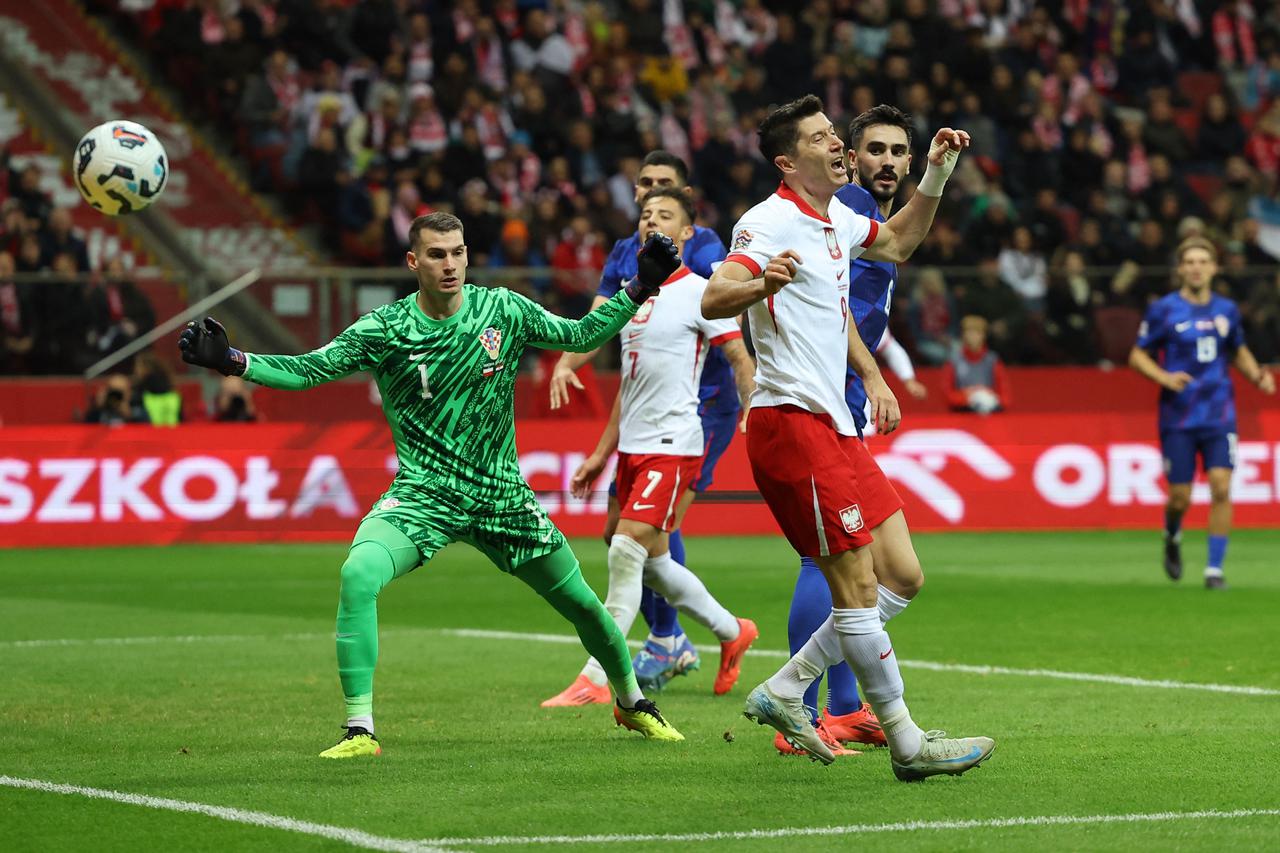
{"x": 626, "y": 573}
{"x": 687, "y": 593}
{"x": 869, "y": 652}
{"x": 820, "y": 651}
{"x": 667, "y": 644}
{"x": 889, "y": 603}
{"x": 365, "y": 722}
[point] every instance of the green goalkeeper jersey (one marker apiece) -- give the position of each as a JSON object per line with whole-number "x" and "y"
{"x": 448, "y": 386}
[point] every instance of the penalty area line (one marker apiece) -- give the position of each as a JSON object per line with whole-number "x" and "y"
{"x": 354, "y": 837}
{"x": 859, "y": 829}
{"x": 571, "y": 640}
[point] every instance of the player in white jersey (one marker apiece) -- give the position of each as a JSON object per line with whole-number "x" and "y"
{"x": 657, "y": 432}
{"x": 788, "y": 266}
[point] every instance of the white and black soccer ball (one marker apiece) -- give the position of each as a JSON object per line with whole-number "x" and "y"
{"x": 120, "y": 167}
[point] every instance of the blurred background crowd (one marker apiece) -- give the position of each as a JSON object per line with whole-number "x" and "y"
{"x": 1103, "y": 133}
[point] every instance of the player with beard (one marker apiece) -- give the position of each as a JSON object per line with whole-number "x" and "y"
{"x": 787, "y": 265}
{"x": 879, "y": 156}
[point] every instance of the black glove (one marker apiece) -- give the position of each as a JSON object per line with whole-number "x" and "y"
{"x": 207, "y": 346}
{"x": 658, "y": 259}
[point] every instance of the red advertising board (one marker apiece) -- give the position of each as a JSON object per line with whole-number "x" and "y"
{"x": 80, "y": 485}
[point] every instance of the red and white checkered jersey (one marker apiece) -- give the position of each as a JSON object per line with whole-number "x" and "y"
{"x": 663, "y": 350}
{"x": 801, "y": 333}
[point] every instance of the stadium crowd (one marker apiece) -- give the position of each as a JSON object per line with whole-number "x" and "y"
{"x": 63, "y": 324}
{"x": 1104, "y": 132}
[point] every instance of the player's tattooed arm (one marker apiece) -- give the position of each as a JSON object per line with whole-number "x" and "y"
{"x": 1248, "y": 366}
{"x": 593, "y": 466}
{"x": 898, "y": 238}
{"x": 885, "y": 412}
{"x": 566, "y": 369}
{"x": 734, "y": 287}
{"x": 744, "y": 369}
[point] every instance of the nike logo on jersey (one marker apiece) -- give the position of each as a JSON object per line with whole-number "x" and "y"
{"x": 631, "y": 336}
{"x": 418, "y": 356}
{"x": 840, "y": 275}
{"x": 1182, "y": 327}
{"x": 639, "y": 507}
{"x": 886, "y": 654}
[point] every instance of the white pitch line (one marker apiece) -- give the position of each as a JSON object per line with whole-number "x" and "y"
{"x": 354, "y": 837}
{"x": 571, "y": 640}
{"x": 859, "y": 829}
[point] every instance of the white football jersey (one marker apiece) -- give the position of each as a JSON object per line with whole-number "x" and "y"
{"x": 801, "y": 333}
{"x": 663, "y": 350}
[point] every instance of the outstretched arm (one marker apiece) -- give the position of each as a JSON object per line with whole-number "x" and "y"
{"x": 549, "y": 331}
{"x": 206, "y": 344}
{"x": 898, "y": 238}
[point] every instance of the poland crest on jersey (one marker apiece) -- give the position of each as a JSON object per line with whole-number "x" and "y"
{"x": 833, "y": 245}
{"x": 491, "y": 340}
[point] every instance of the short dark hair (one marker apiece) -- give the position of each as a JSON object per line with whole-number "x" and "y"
{"x": 666, "y": 158}
{"x": 686, "y": 203}
{"x": 439, "y": 222}
{"x": 778, "y": 133}
{"x": 883, "y": 114}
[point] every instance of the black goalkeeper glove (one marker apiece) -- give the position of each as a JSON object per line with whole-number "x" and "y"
{"x": 658, "y": 259}
{"x": 207, "y": 345}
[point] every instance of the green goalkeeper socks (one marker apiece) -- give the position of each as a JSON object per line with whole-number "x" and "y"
{"x": 379, "y": 554}
{"x": 557, "y": 578}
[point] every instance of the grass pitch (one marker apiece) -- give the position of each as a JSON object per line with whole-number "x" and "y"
{"x": 206, "y": 675}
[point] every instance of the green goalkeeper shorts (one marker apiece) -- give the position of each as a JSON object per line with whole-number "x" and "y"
{"x": 510, "y": 533}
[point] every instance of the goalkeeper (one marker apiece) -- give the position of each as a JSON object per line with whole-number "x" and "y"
{"x": 445, "y": 362}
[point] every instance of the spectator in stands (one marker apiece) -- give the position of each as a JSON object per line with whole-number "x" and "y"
{"x": 1220, "y": 134}
{"x": 26, "y": 189}
{"x": 64, "y": 323}
{"x": 17, "y": 321}
{"x": 515, "y": 249}
{"x": 932, "y": 317}
{"x": 154, "y": 391}
{"x": 990, "y": 298}
{"x": 1023, "y": 268}
{"x": 1162, "y": 134}
{"x": 1262, "y": 320}
{"x": 975, "y": 376}
{"x": 577, "y": 261}
{"x": 113, "y": 404}
{"x": 120, "y": 311}
{"x": 59, "y": 236}
{"x": 1069, "y": 310}
{"x": 234, "y": 403}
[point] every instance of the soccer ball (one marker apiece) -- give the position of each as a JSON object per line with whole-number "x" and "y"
{"x": 120, "y": 167}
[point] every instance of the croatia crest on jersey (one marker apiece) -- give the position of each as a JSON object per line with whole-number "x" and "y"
{"x": 491, "y": 340}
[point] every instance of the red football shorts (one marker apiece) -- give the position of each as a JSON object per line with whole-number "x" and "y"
{"x": 825, "y": 490}
{"x": 650, "y": 486}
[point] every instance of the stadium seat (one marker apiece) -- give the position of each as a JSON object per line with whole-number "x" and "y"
{"x": 1197, "y": 86}
{"x": 1117, "y": 328}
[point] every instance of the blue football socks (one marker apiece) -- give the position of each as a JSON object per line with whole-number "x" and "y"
{"x": 810, "y": 607}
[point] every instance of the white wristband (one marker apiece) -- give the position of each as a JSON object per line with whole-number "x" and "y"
{"x": 935, "y": 177}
